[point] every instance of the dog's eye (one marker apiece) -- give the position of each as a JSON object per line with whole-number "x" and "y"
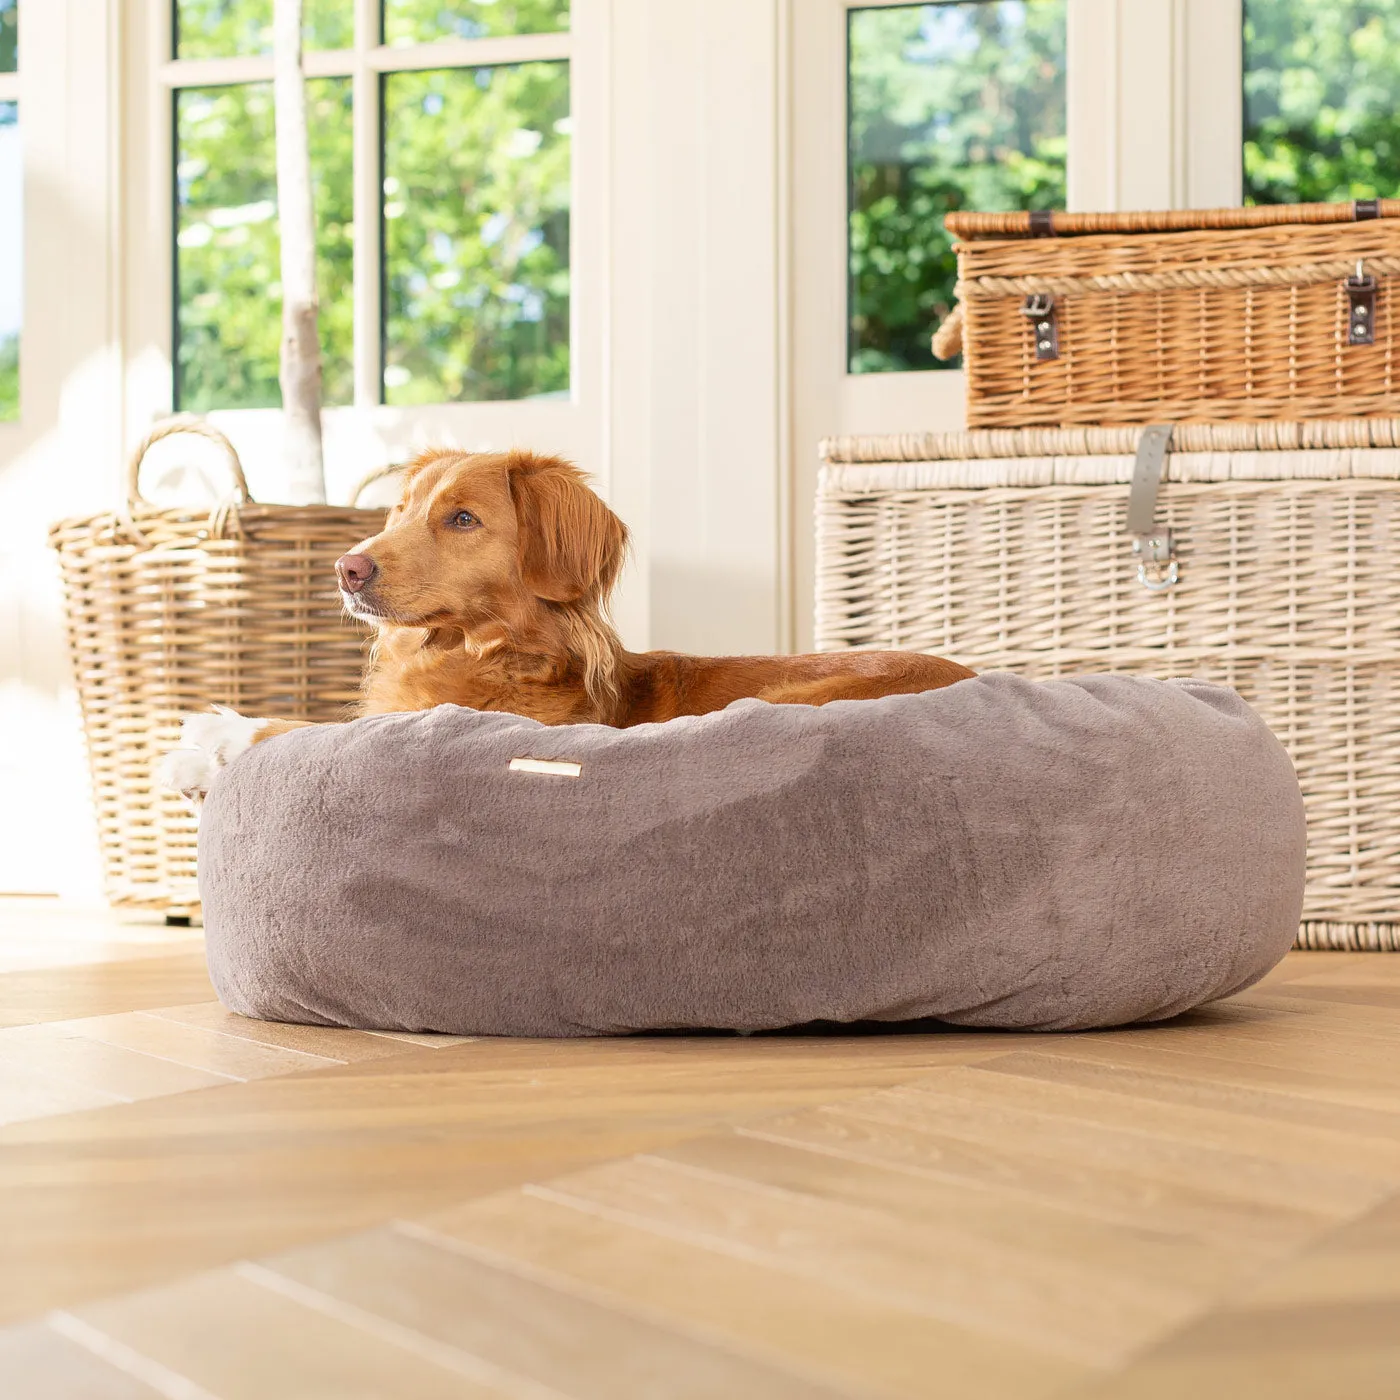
{"x": 465, "y": 520}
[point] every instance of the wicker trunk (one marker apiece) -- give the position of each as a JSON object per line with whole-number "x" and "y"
{"x": 1010, "y": 551}
{"x": 1212, "y": 316}
{"x": 172, "y": 610}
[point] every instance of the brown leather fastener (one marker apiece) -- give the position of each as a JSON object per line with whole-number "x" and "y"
{"x": 1361, "y": 314}
{"x": 1364, "y": 209}
{"x": 1040, "y": 312}
{"x": 1042, "y": 223}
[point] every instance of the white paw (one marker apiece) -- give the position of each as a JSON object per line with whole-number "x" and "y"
{"x": 208, "y": 743}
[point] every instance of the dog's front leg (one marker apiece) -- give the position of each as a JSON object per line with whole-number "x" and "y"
{"x": 208, "y": 743}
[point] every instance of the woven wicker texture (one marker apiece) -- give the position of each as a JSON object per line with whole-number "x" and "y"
{"x": 171, "y": 610}
{"x": 1215, "y": 324}
{"x": 1288, "y": 592}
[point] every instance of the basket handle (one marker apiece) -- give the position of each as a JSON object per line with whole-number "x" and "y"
{"x": 373, "y": 475}
{"x": 172, "y": 427}
{"x": 948, "y": 338}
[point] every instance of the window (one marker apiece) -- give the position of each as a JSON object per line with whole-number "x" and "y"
{"x": 229, "y": 330}
{"x": 11, "y": 213}
{"x": 476, "y": 234}
{"x": 950, "y": 106}
{"x": 1320, "y": 119}
{"x": 443, "y": 207}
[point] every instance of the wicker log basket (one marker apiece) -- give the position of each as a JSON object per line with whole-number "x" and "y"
{"x": 1011, "y": 550}
{"x": 175, "y": 609}
{"x": 1286, "y": 312}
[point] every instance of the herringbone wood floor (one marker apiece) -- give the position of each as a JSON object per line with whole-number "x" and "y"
{"x": 194, "y": 1205}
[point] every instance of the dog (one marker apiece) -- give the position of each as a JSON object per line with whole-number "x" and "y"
{"x": 488, "y": 587}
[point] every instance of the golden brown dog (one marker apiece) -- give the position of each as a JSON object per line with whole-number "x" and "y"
{"x": 489, "y": 586}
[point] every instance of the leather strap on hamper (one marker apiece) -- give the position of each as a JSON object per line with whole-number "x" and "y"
{"x": 1155, "y": 549}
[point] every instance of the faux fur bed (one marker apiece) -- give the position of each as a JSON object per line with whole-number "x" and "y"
{"x": 1003, "y": 853}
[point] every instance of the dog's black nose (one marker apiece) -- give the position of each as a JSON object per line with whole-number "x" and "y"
{"x": 354, "y": 571}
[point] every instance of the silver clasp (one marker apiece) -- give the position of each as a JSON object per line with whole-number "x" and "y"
{"x": 1157, "y": 567}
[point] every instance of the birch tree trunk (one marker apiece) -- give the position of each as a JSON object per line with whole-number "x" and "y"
{"x": 301, "y": 347}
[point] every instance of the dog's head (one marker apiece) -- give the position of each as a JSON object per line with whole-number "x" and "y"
{"x": 478, "y": 539}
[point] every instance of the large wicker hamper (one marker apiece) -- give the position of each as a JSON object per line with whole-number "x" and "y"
{"x": 171, "y": 610}
{"x": 1010, "y": 550}
{"x": 1210, "y": 316}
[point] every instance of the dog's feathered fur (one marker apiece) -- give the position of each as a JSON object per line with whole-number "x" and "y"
{"x": 510, "y": 613}
{"x": 489, "y": 588}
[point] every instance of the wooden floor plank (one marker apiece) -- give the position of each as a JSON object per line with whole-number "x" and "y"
{"x": 195, "y": 1047}
{"x": 1180, "y": 1080}
{"x": 37, "y": 1363}
{"x": 236, "y": 1339}
{"x": 1350, "y": 1000}
{"x": 97, "y": 1202}
{"x": 26, "y": 1094}
{"x": 1324, "y": 1326}
{"x": 1014, "y": 1165}
{"x": 1229, "y": 1172}
{"x": 1208, "y": 1064}
{"x": 1351, "y": 970}
{"x": 1302, "y": 964}
{"x": 1133, "y": 1252}
{"x": 133, "y": 984}
{"x": 1343, "y": 1009}
{"x": 1064, "y": 1307}
{"x": 58, "y": 1049}
{"x": 329, "y": 1042}
{"x": 568, "y": 1343}
{"x": 1041, "y": 1084}
{"x": 855, "y": 1340}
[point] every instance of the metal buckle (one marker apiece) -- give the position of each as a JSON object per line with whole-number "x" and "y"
{"x": 1039, "y": 310}
{"x": 1361, "y": 318}
{"x": 1157, "y": 566}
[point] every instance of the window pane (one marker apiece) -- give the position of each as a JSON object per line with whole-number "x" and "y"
{"x": 476, "y": 233}
{"x": 9, "y": 36}
{"x": 952, "y": 106}
{"x": 224, "y": 28}
{"x": 1320, "y": 116}
{"x": 423, "y": 21}
{"x": 228, "y": 295}
{"x": 11, "y": 259}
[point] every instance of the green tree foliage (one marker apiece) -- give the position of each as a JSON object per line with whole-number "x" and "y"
{"x": 423, "y": 21}
{"x": 952, "y": 106}
{"x": 1321, "y": 117}
{"x": 476, "y": 233}
{"x": 475, "y": 205}
{"x": 11, "y": 274}
{"x": 224, "y": 28}
{"x": 9, "y": 36}
{"x": 229, "y": 317}
{"x": 9, "y": 378}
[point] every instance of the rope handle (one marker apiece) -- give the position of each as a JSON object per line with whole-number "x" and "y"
{"x": 1042, "y": 223}
{"x": 373, "y": 475}
{"x": 948, "y": 338}
{"x": 172, "y": 427}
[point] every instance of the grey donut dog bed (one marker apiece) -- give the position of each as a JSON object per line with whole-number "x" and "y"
{"x": 1044, "y": 855}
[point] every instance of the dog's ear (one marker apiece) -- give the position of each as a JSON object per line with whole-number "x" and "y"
{"x": 572, "y": 546}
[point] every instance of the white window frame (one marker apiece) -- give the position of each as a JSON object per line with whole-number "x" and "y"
{"x": 1154, "y": 110}
{"x": 368, "y": 433}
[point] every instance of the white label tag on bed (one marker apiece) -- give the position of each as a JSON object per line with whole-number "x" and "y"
{"x": 557, "y": 767}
